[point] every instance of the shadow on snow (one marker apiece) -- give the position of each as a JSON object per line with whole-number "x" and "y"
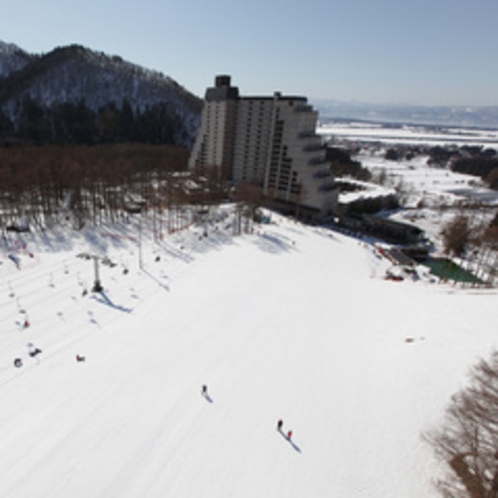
{"x": 103, "y": 298}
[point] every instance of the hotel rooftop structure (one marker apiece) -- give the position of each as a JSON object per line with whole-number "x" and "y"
{"x": 268, "y": 141}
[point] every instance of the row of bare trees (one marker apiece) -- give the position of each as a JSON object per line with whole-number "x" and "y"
{"x": 47, "y": 185}
{"x": 86, "y": 183}
{"x": 475, "y": 240}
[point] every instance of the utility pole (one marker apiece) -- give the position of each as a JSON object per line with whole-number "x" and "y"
{"x": 97, "y": 285}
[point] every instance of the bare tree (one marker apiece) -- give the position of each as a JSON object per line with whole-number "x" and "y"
{"x": 381, "y": 177}
{"x": 249, "y": 197}
{"x": 456, "y": 235}
{"x": 490, "y": 243}
{"x": 467, "y": 442}
{"x": 403, "y": 191}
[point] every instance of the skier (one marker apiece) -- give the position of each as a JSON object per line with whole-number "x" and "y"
{"x": 32, "y": 351}
{"x": 289, "y": 435}
{"x": 204, "y": 390}
{"x": 280, "y": 423}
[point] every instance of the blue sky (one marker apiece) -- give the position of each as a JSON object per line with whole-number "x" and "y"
{"x": 432, "y": 52}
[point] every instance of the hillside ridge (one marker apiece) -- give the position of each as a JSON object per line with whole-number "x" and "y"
{"x": 73, "y": 77}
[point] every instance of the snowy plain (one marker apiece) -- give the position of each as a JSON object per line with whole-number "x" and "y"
{"x": 409, "y": 134}
{"x": 432, "y": 194}
{"x": 289, "y": 322}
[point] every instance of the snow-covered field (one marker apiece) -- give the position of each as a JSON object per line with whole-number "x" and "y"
{"x": 432, "y": 195}
{"x": 409, "y": 134}
{"x": 289, "y": 322}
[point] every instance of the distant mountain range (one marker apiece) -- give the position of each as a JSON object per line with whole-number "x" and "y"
{"x": 464, "y": 116}
{"x": 73, "y": 94}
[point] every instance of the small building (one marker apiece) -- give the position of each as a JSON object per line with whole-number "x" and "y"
{"x": 383, "y": 228}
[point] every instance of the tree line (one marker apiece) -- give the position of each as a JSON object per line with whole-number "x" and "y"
{"x": 83, "y": 183}
{"x": 45, "y": 186}
{"x": 483, "y": 166}
{"x": 341, "y": 164}
{"x": 77, "y": 123}
{"x": 473, "y": 238}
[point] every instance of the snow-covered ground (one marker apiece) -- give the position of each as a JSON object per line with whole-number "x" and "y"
{"x": 289, "y": 322}
{"x": 430, "y": 195}
{"x": 432, "y": 185}
{"x": 409, "y": 134}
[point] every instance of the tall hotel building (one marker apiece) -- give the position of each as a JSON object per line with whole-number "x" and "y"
{"x": 269, "y": 141}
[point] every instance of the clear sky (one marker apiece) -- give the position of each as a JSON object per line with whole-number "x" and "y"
{"x": 382, "y": 51}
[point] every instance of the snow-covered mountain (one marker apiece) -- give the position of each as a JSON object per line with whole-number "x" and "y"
{"x": 78, "y": 77}
{"x": 12, "y": 58}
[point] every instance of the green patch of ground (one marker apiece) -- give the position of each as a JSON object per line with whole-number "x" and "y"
{"x": 448, "y": 270}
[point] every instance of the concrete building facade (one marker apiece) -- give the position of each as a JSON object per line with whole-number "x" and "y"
{"x": 268, "y": 141}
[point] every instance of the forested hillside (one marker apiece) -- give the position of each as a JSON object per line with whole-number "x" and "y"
{"x": 75, "y": 95}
